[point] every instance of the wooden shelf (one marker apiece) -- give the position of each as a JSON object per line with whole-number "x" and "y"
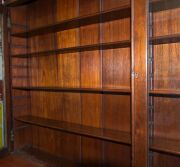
{"x": 91, "y": 90}
{"x": 99, "y": 133}
{"x": 161, "y": 5}
{"x": 165, "y": 145}
{"x": 110, "y": 45}
{"x": 165, "y": 92}
{"x": 103, "y": 16}
{"x": 45, "y": 159}
{"x": 175, "y": 38}
{"x": 14, "y": 3}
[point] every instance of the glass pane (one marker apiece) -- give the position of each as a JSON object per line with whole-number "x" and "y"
{"x": 164, "y": 77}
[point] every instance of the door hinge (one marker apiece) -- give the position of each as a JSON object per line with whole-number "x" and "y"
{"x": 12, "y": 135}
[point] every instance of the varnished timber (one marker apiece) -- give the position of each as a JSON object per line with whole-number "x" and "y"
{"x": 103, "y": 16}
{"x": 169, "y": 146}
{"x": 139, "y": 83}
{"x": 105, "y": 134}
{"x": 165, "y": 92}
{"x": 166, "y": 39}
{"x": 110, "y": 45}
{"x": 164, "y": 83}
{"x": 162, "y": 5}
{"x": 121, "y": 44}
{"x": 93, "y": 90}
{"x": 83, "y": 81}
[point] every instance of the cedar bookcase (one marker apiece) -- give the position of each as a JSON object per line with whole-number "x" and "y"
{"x": 96, "y": 83}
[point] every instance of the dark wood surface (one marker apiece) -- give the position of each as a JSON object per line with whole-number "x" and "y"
{"x": 110, "y": 45}
{"x": 140, "y": 83}
{"x": 162, "y": 5}
{"x": 105, "y": 134}
{"x": 164, "y": 84}
{"x": 166, "y": 145}
{"x": 7, "y": 79}
{"x": 103, "y": 16}
{"x": 15, "y": 160}
{"x": 14, "y": 3}
{"x": 166, "y": 39}
{"x": 169, "y": 146}
{"x": 93, "y": 90}
{"x": 79, "y": 72}
{"x": 165, "y": 92}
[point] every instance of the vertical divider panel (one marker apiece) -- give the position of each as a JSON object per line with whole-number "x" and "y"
{"x": 139, "y": 83}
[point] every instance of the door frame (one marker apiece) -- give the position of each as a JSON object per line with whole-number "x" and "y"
{"x": 7, "y": 82}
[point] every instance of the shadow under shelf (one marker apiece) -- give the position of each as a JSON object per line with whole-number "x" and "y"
{"x": 99, "y": 46}
{"x": 161, "y": 92}
{"x": 99, "y": 17}
{"x": 14, "y": 3}
{"x": 167, "y": 39}
{"x": 125, "y": 90}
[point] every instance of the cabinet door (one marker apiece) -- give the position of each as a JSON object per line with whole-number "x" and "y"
{"x": 164, "y": 83}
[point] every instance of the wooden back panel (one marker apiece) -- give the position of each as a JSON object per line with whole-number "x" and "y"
{"x": 86, "y": 69}
{"x": 166, "y": 74}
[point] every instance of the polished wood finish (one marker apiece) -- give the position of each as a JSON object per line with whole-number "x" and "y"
{"x": 104, "y": 46}
{"x": 140, "y": 83}
{"x": 164, "y": 84}
{"x": 166, "y": 146}
{"x": 104, "y": 16}
{"x": 105, "y": 134}
{"x": 75, "y": 87}
{"x": 165, "y": 92}
{"x": 165, "y": 39}
{"x": 81, "y": 75}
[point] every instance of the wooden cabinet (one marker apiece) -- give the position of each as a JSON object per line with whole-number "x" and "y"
{"x": 164, "y": 83}
{"x": 96, "y": 83}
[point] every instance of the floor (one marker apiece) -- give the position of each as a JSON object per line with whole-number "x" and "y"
{"x": 18, "y": 161}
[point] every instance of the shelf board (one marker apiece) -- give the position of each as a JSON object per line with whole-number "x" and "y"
{"x": 99, "y": 133}
{"x": 165, "y": 145}
{"x": 175, "y": 38}
{"x": 165, "y": 92}
{"x": 166, "y": 39}
{"x": 91, "y": 90}
{"x": 100, "y": 17}
{"x": 103, "y": 46}
{"x": 161, "y": 5}
{"x": 14, "y": 3}
{"x": 43, "y": 158}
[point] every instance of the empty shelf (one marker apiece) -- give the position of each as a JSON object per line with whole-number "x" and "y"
{"x": 165, "y": 92}
{"x": 161, "y": 5}
{"x": 174, "y": 38}
{"x": 99, "y": 133}
{"x": 165, "y": 145}
{"x": 110, "y": 45}
{"x": 104, "y": 16}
